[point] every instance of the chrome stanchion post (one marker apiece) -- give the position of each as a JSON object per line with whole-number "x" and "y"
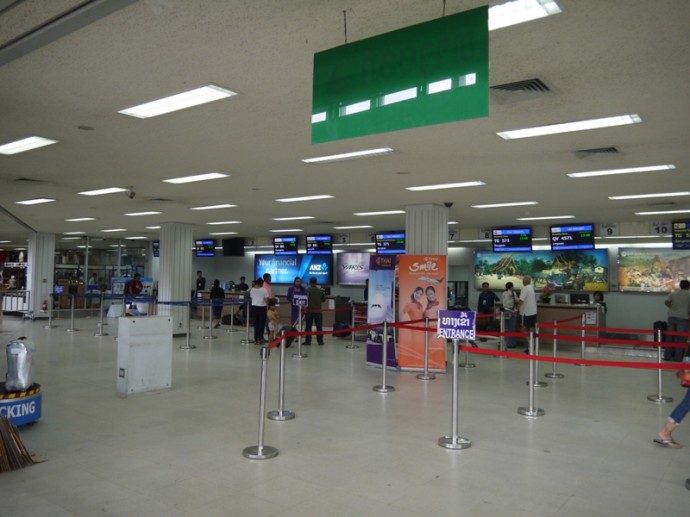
{"x": 352, "y": 334}
{"x": 232, "y": 318}
{"x": 246, "y": 340}
{"x": 553, "y": 374}
{"x": 582, "y": 343}
{"x": 299, "y": 354}
{"x": 281, "y": 414}
{"x": 210, "y": 321}
{"x": 502, "y": 341}
{"x": 50, "y": 325}
{"x": 188, "y": 345}
{"x": 261, "y": 451}
{"x": 531, "y": 410}
{"x": 658, "y": 397}
{"x": 383, "y": 387}
{"x": 71, "y": 321}
{"x": 454, "y": 441}
{"x": 466, "y": 364}
{"x": 100, "y": 332}
{"x": 535, "y": 379}
{"x": 426, "y": 376}
{"x": 200, "y": 303}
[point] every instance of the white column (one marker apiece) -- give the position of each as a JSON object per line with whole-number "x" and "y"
{"x": 175, "y": 272}
{"x": 426, "y": 229}
{"x": 40, "y": 269}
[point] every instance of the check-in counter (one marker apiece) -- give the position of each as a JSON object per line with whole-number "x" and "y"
{"x": 594, "y": 316}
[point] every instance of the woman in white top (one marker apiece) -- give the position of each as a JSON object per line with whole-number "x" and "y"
{"x": 259, "y": 297}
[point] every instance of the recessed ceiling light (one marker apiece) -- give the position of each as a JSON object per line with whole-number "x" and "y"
{"x": 114, "y": 230}
{"x": 300, "y": 218}
{"x": 198, "y": 177}
{"x": 212, "y": 207}
{"x": 101, "y": 191}
{"x": 25, "y": 144}
{"x": 501, "y": 205}
{"x": 520, "y": 11}
{"x": 70, "y": 238}
{"x": 74, "y": 233}
{"x": 645, "y": 196}
{"x": 361, "y": 226}
{"x": 80, "y": 219}
{"x": 628, "y": 170}
{"x": 179, "y": 101}
{"x": 223, "y": 233}
{"x": 568, "y": 127}
{"x": 153, "y": 227}
{"x": 664, "y": 212}
{"x": 545, "y": 218}
{"x": 447, "y": 186}
{"x": 287, "y": 230}
{"x": 36, "y": 201}
{"x": 5, "y": 242}
{"x": 137, "y": 238}
{"x": 385, "y": 212}
{"x": 225, "y": 222}
{"x": 136, "y": 214}
{"x": 303, "y": 198}
{"x": 453, "y": 222}
{"x": 367, "y": 153}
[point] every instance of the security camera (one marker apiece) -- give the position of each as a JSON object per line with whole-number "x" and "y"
{"x": 131, "y": 193}
{"x": 448, "y": 204}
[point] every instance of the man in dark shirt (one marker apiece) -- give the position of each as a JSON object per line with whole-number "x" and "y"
{"x": 315, "y": 297}
{"x": 486, "y": 305}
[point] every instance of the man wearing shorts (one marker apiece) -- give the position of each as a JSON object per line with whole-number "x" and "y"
{"x": 528, "y": 305}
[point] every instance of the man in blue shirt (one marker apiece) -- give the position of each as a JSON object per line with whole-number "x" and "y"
{"x": 486, "y": 305}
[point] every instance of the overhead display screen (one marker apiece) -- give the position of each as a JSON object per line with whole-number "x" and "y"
{"x": 205, "y": 248}
{"x": 572, "y": 237}
{"x": 286, "y": 245}
{"x": 319, "y": 244}
{"x": 390, "y": 243}
{"x": 156, "y": 248}
{"x": 284, "y": 269}
{"x": 511, "y": 239}
{"x": 681, "y": 235}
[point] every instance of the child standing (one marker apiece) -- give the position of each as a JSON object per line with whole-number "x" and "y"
{"x": 273, "y": 319}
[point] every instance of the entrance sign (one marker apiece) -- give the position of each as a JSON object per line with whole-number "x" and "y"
{"x": 456, "y": 325}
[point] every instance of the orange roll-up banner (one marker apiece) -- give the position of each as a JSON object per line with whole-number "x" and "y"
{"x": 422, "y": 292}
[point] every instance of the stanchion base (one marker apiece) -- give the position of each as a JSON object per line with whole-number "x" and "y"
{"x": 579, "y": 364}
{"x": 100, "y": 334}
{"x": 230, "y": 330}
{"x": 246, "y": 342}
{"x": 383, "y": 389}
{"x": 280, "y": 416}
{"x": 467, "y": 365}
{"x": 525, "y": 411}
{"x": 426, "y": 376}
{"x": 71, "y": 330}
{"x": 49, "y": 326}
{"x": 538, "y": 384}
{"x": 457, "y": 442}
{"x": 351, "y": 347}
{"x": 663, "y": 399}
{"x": 187, "y": 347}
{"x": 299, "y": 356}
{"x": 201, "y": 328}
{"x": 265, "y": 453}
{"x": 210, "y": 337}
{"x": 553, "y": 376}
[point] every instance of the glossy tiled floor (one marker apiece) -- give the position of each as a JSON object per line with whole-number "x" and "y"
{"x": 350, "y": 451}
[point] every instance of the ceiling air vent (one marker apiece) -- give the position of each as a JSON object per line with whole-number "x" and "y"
{"x": 597, "y": 152}
{"x": 521, "y": 90}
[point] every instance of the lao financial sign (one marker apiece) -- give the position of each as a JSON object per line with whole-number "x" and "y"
{"x": 456, "y": 325}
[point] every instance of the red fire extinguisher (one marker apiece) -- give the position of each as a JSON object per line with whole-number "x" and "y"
{"x": 44, "y": 306}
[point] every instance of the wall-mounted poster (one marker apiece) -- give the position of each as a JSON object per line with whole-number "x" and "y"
{"x": 581, "y": 270}
{"x": 655, "y": 270}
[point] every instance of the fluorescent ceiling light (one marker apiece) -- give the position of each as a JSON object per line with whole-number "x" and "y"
{"x": 664, "y": 212}
{"x": 303, "y": 198}
{"x": 225, "y": 222}
{"x": 84, "y": 246}
{"x": 362, "y": 226}
{"x": 453, "y": 222}
{"x": 5, "y": 242}
{"x": 287, "y": 230}
{"x": 545, "y": 218}
{"x": 223, "y": 233}
{"x": 36, "y": 201}
{"x": 568, "y": 127}
{"x": 74, "y": 233}
{"x": 447, "y": 186}
{"x": 80, "y": 219}
{"x": 645, "y": 196}
{"x": 101, "y": 191}
{"x": 114, "y": 230}
{"x": 501, "y": 205}
{"x": 203, "y": 95}
{"x": 153, "y": 227}
{"x": 520, "y": 11}
{"x": 212, "y": 207}
{"x": 70, "y": 238}
{"x": 138, "y": 238}
{"x": 198, "y": 177}
{"x": 385, "y": 212}
{"x": 293, "y": 218}
{"x": 368, "y": 153}
{"x": 25, "y": 144}
{"x": 628, "y": 170}
{"x": 136, "y": 214}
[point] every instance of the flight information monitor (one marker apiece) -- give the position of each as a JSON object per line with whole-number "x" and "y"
{"x": 572, "y": 237}
{"x": 390, "y": 243}
{"x": 319, "y": 244}
{"x": 286, "y": 245}
{"x": 511, "y": 239}
{"x": 205, "y": 248}
{"x": 681, "y": 235}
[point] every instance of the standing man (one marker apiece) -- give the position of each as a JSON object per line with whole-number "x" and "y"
{"x": 528, "y": 305}
{"x": 678, "y": 303}
{"x": 200, "y": 282}
{"x": 486, "y": 306}
{"x": 242, "y": 286}
{"x": 509, "y": 301}
{"x": 315, "y": 297}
